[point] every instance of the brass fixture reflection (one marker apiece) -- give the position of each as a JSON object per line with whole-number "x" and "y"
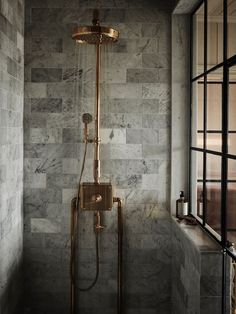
{"x": 96, "y": 196}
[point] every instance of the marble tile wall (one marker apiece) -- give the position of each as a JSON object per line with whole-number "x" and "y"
{"x": 11, "y": 152}
{"x": 135, "y": 156}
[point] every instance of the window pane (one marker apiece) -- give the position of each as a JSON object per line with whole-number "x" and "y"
{"x": 232, "y": 143}
{"x": 213, "y": 192}
{"x": 197, "y": 185}
{"x": 232, "y": 111}
{"x": 214, "y": 32}
{"x": 231, "y": 201}
{"x": 232, "y": 98}
{"x": 198, "y": 41}
{"x": 197, "y": 114}
{"x": 231, "y": 28}
{"x": 214, "y": 110}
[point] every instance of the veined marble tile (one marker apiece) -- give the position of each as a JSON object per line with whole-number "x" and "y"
{"x": 142, "y": 76}
{"x": 46, "y": 75}
{"x": 157, "y": 121}
{"x": 37, "y": 165}
{"x": 51, "y": 135}
{"x": 159, "y": 91}
{"x": 35, "y": 90}
{"x": 150, "y": 181}
{"x": 156, "y": 60}
{"x": 142, "y": 136}
{"x": 129, "y": 30}
{"x": 142, "y": 166}
{"x": 150, "y": 30}
{"x": 46, "y": 45}
{"x": 69, "y": 105}
{"x": 46, "y": 105}
{"x": 67, "y": 195}
{"x": 35, "y": 181}
{"x": 118, "y": 120}
{"x": 125, "y": 106}
{"x": 155, "y": 151}
{"x": 113, "y": 74}
{"x": 62, "y": 120}
{"x": 42, "y": 225}
{"x": 126, "y": 60}
{"x": 143, "y": 45}
{"x": 70, "y": 165}
{"x": 116, "y": 136}
{"x": 57, "y": 90}
{"x": 35, "y": 120}
{"x": 127, "y": 90}
{"x": 122, "y": 151}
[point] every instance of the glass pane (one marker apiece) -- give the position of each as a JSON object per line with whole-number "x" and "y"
{"x": 232, "y": 143}
{"x": 214, "y": 32}
{"x": 197, "y": 186}
{"x": 232, "y": 111}
{"x": 231, "y": 201}
{"x": 213, "y": 191}
{"x": 232, "y": 98}
{"x": 197, "y": 114}
{"x": 198, "y": 41}
{"x": 231, "y": 28}
{"x": 214, "y": 110}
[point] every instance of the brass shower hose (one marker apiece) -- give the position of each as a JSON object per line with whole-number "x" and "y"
{"x": 74, "y": 247}
{"x": 74, "y": 243}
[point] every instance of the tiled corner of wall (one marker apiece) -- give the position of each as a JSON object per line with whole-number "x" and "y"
{"x": 11, "y": 152}
{"x": 135, "y": 121}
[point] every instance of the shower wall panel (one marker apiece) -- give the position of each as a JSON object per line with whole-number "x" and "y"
{"x": 11, "y": 152}
{"x": 135, "y": 122}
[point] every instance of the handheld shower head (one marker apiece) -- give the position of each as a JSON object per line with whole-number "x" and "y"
{"x": 87, "y": 118}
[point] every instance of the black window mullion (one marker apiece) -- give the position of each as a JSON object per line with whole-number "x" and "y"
{"x": 224, "y": 170}
{"x": 224, "y": 174}
{"x": 205, "y": 115}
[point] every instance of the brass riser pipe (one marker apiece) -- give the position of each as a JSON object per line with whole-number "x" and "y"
{"x": 96, "y": 166}
{"x": 74, "y": 253}
{"x": 120, "y": 256}
{"x": 73, "y": 256}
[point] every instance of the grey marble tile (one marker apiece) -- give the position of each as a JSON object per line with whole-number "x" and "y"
{"x": 141, "y": 136}
{"x": 37, "y": 165}
{"x": 125, "y": 106}
{"x": 42, "y": 45}
{"x": 150, "y": 30}
{"x": 46, "y": 105}
{"x": 46, "y": 75}
{"x": 157, "y": 121}
{"x": 142, "y": 76}
{"x": 12, "y": 67}
{"x": 118, "y": 120}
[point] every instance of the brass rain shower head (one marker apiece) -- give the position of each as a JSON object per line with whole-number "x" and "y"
{"x": 95, "y": 34}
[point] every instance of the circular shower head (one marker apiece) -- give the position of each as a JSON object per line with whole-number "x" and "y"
{"x": 95, "y": 35}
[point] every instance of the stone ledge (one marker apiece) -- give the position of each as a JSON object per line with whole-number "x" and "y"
{"x": 200, "y": 238}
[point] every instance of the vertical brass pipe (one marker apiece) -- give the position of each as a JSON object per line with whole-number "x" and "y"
{"x": 96, "y": 169}
{"x": 120, "y": 256}
{"x": 73, "y": 257}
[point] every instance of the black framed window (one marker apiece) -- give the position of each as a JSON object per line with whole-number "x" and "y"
{"x": 213, "y": 128}
{"x": 213, "y": 118}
